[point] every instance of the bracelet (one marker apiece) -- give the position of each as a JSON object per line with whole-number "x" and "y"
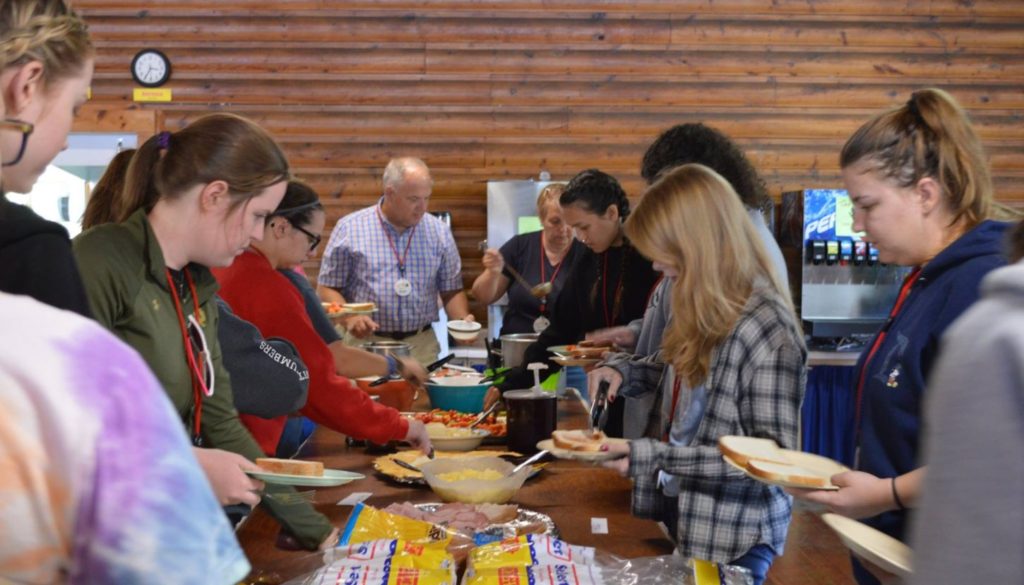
{"x": 896, "y": 496}
{"x": 392, "y": 365}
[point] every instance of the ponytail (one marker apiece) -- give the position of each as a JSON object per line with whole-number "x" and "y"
{"x": 929, "y": 136}
{"x": 222, "y": 147}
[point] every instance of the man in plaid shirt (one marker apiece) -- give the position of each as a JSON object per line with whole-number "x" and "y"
{"x": 400, "y": 257}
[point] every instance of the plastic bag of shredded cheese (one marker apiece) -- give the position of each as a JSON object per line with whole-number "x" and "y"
{"x": 345, "y": 572}
{"x": 535, "y": 575}
{"x": 527, "y": 550}
{"x": 401, "y": 554}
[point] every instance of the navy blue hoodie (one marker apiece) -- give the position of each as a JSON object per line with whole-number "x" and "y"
{"x": 896, "y": 378}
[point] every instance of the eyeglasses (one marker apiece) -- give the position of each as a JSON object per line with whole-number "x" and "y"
{"x": 26, "y": 129}
{"x": 314, "y": 240}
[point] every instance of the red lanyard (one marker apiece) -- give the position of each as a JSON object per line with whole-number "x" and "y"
{"x": 195, "y": 364}
{"x": 405, "y": 255}
{"x": 608, "y": 319}
{"x": 672, "y": 413}
{"x": 908, "y": 284}
{"x": 543, "y": 277}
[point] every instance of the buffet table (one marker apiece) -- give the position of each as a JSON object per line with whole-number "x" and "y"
{"x": 573, "y": 494}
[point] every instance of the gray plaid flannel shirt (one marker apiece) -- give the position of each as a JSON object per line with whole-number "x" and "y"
{"x": 755, "y": 387}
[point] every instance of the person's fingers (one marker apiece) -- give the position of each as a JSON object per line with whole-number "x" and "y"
{"x": 250, "y": 498}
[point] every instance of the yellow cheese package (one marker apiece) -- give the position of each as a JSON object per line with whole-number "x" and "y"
{"x": 538, "y": 575}
{"x": 343, "y": 572}
{"x": 527, "y": 550}
{"x": 367, "y": 523}
{"x": 402, "y": 554}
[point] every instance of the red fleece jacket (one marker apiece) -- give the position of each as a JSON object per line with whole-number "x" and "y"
{"x": 259, "y": 294}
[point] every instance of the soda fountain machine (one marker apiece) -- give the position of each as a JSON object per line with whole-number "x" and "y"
{"x": 841, "y": 287}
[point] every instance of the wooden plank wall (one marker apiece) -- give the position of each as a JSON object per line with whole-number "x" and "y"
{"x": 500, "y": 89}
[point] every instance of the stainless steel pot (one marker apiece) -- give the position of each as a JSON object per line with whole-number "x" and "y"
{"x": 395, "y": 348}
{"x": 513, "y": 348}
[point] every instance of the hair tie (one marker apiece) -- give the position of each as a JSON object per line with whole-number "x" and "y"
{"x": 163, "y": 140}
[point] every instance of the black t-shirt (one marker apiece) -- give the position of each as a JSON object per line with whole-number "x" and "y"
{"x": 601, "y": 290}
{"x": 523, "y": 253}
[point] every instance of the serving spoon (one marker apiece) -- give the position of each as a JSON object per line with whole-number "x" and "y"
{"x": 539, "y": 291}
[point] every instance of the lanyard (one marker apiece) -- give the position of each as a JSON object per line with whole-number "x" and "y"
{"x": 610, "y": 319}
{"x": 908, "y": 284}
{"x": 672, "y": 413}
{"x": 543, "y": 277}
{"x": 195, "y": 363}
{"x": 405, "y": 255}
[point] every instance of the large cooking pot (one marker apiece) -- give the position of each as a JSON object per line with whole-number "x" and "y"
{"x": 513, "y": 348}
{"x": 394, "y": 348}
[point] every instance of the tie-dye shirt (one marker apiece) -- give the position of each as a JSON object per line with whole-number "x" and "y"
{"x": 98, "y": 483}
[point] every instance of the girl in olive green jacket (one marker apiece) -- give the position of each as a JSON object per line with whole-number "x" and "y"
{"x": 193, "y": 199}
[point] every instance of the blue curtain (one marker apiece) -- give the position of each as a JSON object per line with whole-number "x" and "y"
{"x": 828, "y": 413}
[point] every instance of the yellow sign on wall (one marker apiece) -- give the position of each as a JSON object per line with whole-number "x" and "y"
{"x": 151, "y": 94}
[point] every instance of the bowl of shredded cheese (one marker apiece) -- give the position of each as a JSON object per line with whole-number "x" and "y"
{"x": 476, "y": 480}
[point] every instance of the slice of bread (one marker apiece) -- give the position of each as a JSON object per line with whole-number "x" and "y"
{"x": 786, "y": 473}
{"x": 579, "y": 440}
{"x": 589, "y": 352}
{"x": 744, "y": 449}
{"x": 359, "y": 306}
{"x": 291, "y": 466}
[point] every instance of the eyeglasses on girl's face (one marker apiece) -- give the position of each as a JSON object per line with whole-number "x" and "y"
{"x": 25, "y": 128}
{"x": 314, "y": 239}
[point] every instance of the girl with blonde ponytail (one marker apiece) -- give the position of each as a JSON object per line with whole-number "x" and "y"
{"x": 46, "y": 63}
{"x": 921, "y": 191}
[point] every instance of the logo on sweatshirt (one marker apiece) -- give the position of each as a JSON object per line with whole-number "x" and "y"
{"x": 893, "y": 381}
{"x": 156, "y": 304}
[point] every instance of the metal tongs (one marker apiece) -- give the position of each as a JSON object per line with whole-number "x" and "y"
{"x": 429, "y": 368}
{"x": 599, "y": 410}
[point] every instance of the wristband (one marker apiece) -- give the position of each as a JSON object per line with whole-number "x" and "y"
{"x": 896, "y": 496}
{"x": 392, "y": 366}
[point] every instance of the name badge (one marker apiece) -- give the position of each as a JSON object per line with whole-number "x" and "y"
{"x": 403, "y": 287}
{"x": 540, "y": 324}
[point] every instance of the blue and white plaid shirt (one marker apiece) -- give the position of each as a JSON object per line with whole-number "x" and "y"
{"x": 360, "y": 262}
{"x": 754, "y": 388}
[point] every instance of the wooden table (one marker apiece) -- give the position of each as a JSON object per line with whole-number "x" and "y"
{"x": 570, "y": 492}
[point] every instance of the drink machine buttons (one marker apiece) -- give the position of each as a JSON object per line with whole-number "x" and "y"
{"x": 845, "y": 251}
{"x": 816, "y": 250}
{"x": 831, "y": 252}
{"x": 860, "y": 252}
{"x": 872, "y": 254}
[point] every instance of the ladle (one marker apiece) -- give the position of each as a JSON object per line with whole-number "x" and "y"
{"x": 539, "y": 291}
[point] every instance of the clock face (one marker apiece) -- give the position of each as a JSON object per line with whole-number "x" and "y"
{"x": 151, "y": 68}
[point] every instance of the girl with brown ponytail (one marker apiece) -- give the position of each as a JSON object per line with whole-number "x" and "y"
{"x": 193, "y": 199}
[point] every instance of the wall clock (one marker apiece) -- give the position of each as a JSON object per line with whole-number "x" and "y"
{"x": 151, "y": 68}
